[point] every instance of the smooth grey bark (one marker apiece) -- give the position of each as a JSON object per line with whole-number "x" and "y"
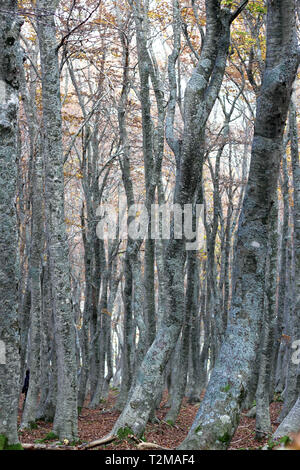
{"x": 24, "y": 322}
{"x": 94, "y": 257}
{"x": 10, "y": 26}
{"x": 132, "y": 292}
{"x": 153, "y": 149}
{"x": 93, "y": 191}
{"x": 181, "y": 367}
{"x": 45, "y": 341}
{"x": 48, "y": 375}
{"x": 28, "y": 94}
{"x": 94, "y": 249}
{"x": 113, "y": 290}
{"x": 65, "y": 420}
{"x": 201, "y": 92}
{"x": 263, "y": 420}
{"x": 212, "y": 311}
{"x": 218, "y": 415}
{"x": 36, "y": 248}
{"x": 223, "y": 286}
{"x": 31, "y": 403}
{"x": 101, "y": 333}
{"x": 87, "y": 312}
{"x": 91, "y": 244}
{"x": 98, "y": 266}
{"x": 280, "y": 346}
{"x": 197, "y": 359}
{"x": 291, "y": 392}
{"x": 213, "y": 298}
{"x": 104, "y": 327}
{"x": 47, "y": 405}
{"x": 291, "y": 422}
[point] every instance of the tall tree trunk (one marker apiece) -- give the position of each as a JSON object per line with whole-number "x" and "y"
{"x": 181, "y": 368}
{"x": 31, "y": 403}
{"x": 263, "y": 419}
{"x": 9, "y": 331}
{"x": 36, "y": 248}
{"x": 48, "y": 377}
{"x": 292, "y": 387}
{"x": 201, "y": 92}
{"x": 218, "y": 416}
{"x": 280, "y": 345}
{"x": 65, "y": 421}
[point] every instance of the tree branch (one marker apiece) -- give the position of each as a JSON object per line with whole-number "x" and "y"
{"x": 63, "y": 40}
{"x": 238, "y": 11}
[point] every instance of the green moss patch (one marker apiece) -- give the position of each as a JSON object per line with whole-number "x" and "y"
{"x": 123, "y": 433}
{"x": 5, "y": 446}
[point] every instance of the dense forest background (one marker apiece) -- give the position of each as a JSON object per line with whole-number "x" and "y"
{"x": 108, "y": 109}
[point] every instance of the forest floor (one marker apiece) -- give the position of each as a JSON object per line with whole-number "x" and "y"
{"x": 95, "y": 424}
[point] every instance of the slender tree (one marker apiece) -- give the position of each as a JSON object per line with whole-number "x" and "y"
{"x": 65, "y": 420}
{"x": 10, "y": 26}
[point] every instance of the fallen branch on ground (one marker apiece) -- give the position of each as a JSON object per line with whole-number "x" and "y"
{"x": 98, "y": 442}
{"x": 150, "y": 445}
{"x": 47, "y": 447}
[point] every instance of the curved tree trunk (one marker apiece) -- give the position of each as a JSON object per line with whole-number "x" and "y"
{"x": 201, "y": 92}
{"x": 218, "y": 416}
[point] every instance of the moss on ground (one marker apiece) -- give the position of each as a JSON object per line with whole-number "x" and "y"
{"x": 5, "y": 446}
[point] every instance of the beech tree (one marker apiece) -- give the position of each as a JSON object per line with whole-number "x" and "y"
{"x": 200, "y": 95}
{"x": 10, "y": 62}
{"x": 166, "y": 103}
{"x": 218, "y": 414}
{"x": 65, "y": 420}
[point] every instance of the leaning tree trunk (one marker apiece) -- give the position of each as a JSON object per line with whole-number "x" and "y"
{"x": 201, "y": 92}
{"x": 218, "y": 416}
{"x": 9, "y": 330}
{"x": 65, "y": 420}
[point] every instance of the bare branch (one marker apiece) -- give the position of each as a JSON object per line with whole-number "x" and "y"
{"x": 238, "y": 11}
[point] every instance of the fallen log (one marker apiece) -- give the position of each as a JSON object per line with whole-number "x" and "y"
{"x": 98, "y": 442}
{"x": 150, "y": 445}
{"x": 46, "y": 447}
